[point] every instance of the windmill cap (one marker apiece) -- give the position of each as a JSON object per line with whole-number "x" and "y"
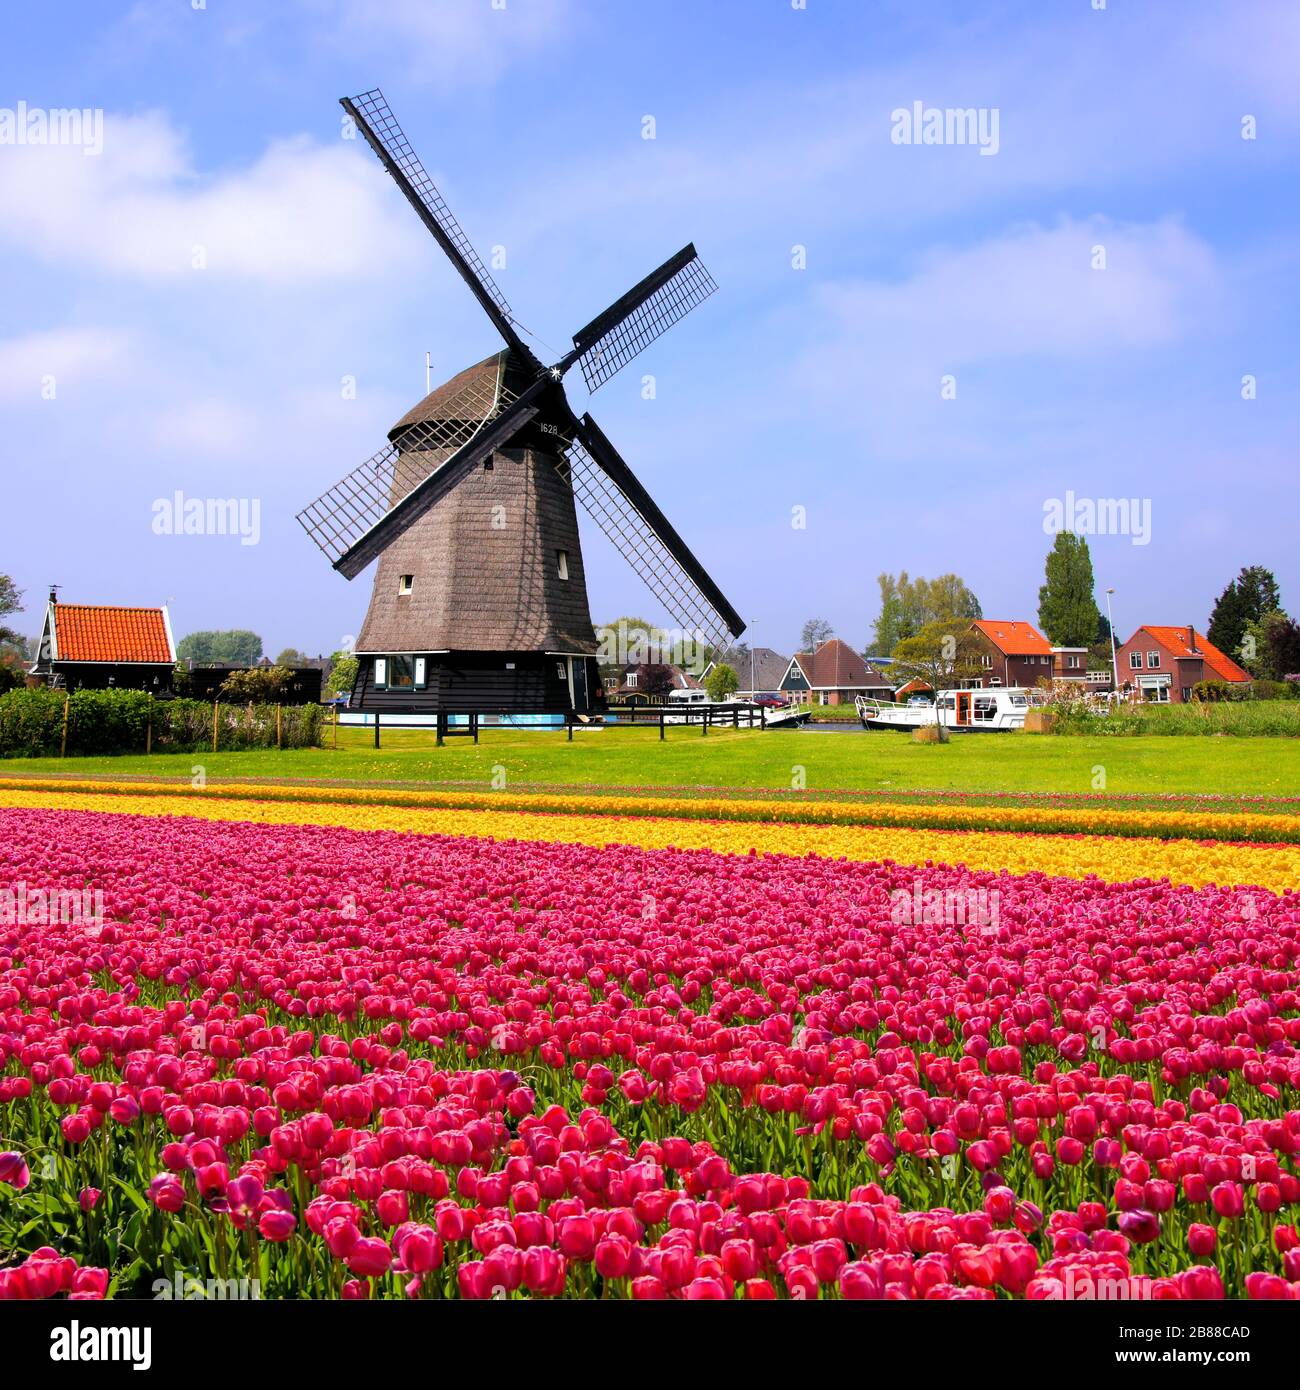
{"x": 439, "y": 404}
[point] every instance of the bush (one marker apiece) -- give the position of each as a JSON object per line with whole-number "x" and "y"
{"x": 1245, "y": 718}
{"x": 117, "y": 721}
{"x": 259, "y": 685}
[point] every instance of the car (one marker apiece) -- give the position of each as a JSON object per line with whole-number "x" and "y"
{"x": 913, "y": 700}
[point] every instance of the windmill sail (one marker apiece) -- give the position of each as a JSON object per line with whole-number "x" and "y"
{"x": 629, "y": 516}
{"x": 379, "y": 126}
{"x": 612, "y": 339}
{"x": 357, "y": 505}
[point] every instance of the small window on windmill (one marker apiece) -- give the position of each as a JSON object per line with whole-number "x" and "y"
{"x": 562, "y": 563}
{"x": 487, "y": 464}
{"x": 405, "y": 584}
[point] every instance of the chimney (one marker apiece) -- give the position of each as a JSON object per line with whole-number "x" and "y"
{"x": 1191, "y": 637}
{"x": 54, "y": 593}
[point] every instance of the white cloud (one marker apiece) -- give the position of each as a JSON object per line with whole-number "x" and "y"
{"x": 68, "y": 356}
{"x": 299, "y": 213}
{"x": 1033, "y": 291}
{"x": 450, "y": 44}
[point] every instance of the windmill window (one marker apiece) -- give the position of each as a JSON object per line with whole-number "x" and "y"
{"x": 487, "y": 464}
{"x": 401, "y": 673}
{"x": 562, "y": 563}
{"x": 381, "y": 673}
{"x": 405, "y": 584}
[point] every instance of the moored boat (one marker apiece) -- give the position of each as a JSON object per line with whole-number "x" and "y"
{"x": 994, "y": 710}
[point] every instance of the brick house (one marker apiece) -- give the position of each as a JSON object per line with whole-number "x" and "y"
{"x": 832, "y": 675}
{"x": 1162, "y": 664}
{"x": 633, "y": 679}
{"x": 1012, "y": 653}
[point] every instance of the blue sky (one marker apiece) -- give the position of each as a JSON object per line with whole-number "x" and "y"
{"x": 817, "y": 389}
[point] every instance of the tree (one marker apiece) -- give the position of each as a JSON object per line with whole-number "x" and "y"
{"x": 11, "y": 601}
{"x": 342, "y": 674}
{"x": 291, "y": 656}
{"x": 1067, "y": 611}
{"x": 907, "y": 605}
{"x": 653, "y": 678}
{"x": 1247, "y": 599}
{"x": 814, "y": 632}
{"x": 942, "y": 654}
{"x": 1270, "y": 648}
{"x": 236, "y": 645}
{"x": 1284, "y": 648}
{"x": 261, "y": 685}
{"x": 721, "y": 682}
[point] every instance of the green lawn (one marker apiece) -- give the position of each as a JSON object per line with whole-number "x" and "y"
{"x": 825, "y": 760}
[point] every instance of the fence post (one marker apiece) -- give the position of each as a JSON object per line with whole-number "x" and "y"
{"x": 336, "y": 726}
{"x": 707, "y": 712}
{"x": 148, "y": 728}
{"x": 214, "y": 725}
{"x": 762, "y": 717}
{"x": 568, "y": 724}
{"x": 473, "y": 719}
{"x": 376, "y": 728}
{"x": 440, "y": 723}
{"x": 661, "y": 723}
{"x": 63, "y": 741}
{"x": 735, "y": 717}
{"x": 279, "y": 739}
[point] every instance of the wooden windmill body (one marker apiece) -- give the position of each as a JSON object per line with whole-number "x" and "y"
{"x": 480, "y": 601}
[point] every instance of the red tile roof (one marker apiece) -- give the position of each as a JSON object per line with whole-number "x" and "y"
{"x": 86, "y": 632}
{"x": 1015, "y": 638}
{"x": 1178, "y": 641}
{"x": 836, "y": 666}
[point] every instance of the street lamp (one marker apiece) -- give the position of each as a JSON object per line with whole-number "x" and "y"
{"x": 1114, "y": 655}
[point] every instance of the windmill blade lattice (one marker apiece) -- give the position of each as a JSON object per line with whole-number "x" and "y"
{"x": 608, "y": 343}
{"x": 641, "y": 546}
{"x": 337, "y": 519}
{"x": 388, "y": 139}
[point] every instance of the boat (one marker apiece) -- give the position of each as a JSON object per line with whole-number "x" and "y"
{"x": 993, "y": 710}
{"x": 786, "y": 716}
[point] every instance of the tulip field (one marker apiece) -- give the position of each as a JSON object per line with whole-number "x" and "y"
{"x": 324, "y": 1043}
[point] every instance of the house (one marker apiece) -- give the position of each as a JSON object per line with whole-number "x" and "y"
{"x": 1011, "y": 652}
{"x": 760, "y": 673}
{"x": 639, "y": 684}
{"x": 1072, "y": 664}
{"x": 1162, "y": 664}
{"x": 832, "y": 675}
{"x": 97, "y": 647}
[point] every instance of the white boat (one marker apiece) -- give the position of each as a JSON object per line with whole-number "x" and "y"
{"x": 963, "y": 711}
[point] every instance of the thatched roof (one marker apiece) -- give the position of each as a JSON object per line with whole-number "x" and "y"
{"x": 492, "y": 373}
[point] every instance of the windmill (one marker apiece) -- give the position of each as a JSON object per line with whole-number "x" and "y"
{"x": 479, "y": 599}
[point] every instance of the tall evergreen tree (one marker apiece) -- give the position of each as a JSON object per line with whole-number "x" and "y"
{"x": 1247, "y": 599}
{"x": 1067, "y": 610}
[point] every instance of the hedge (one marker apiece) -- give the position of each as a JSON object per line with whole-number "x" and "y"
{"x": 118, "y": 721}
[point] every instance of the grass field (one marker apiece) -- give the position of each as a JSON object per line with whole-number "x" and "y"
{"x": 822, "y": 760}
